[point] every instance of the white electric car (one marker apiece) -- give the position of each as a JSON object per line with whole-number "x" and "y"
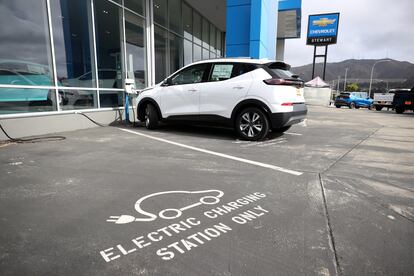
{"x": 253, "y": 96}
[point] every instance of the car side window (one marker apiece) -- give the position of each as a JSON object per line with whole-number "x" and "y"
{"x": 194, "y": 74}
{"x": 221, "y": 71}
{"x": 225, "y": 71}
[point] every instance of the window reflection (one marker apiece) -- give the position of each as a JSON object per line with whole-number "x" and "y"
{"x": 77, "y": 99}
{"x": 135, "y": 49}
{"x": 25, "y": 57}
{"x": 188, "y": 52}
{"x": 176, "y": 53}
{"x": 71, "y": 28}
{"x": 19, "y": 100}
{"x": 188, "y": 22}
{"x": 160, "y": 36}
{"x": 108, "y": 43}
{"x": 160, "y": 12}
{"x": 135, "y": 5}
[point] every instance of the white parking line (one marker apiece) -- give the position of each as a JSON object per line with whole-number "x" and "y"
{"x": 264, "y": 165}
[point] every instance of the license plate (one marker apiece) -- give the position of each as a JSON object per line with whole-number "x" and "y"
{"x": 298, "y": 92}
{"x": 407, "y": 102}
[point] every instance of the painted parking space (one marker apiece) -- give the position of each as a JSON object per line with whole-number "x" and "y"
{"x": 110, "y": 202}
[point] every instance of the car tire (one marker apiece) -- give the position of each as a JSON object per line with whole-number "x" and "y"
{"x": 338, "y": 106}
{"x": 371, "y": 107}
{"x": 357, "y": 106}
{"x": 151, "y": 117}
{"x": 352, "y": 105}
{"x": 378, "y": 108}
{"x": 245, "y": 127}
{"x": 399, "y": 110}
{"x": 282, "y": 129}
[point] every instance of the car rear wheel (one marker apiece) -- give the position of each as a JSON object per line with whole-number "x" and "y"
{"x": 399, "y": 110}
{"x": 151, "y": 117}
{"x": 252, "y": 124}
{"x": 338, "y": 106}
{"x": 378, "y": 108}
{"x": 371, "y": 107}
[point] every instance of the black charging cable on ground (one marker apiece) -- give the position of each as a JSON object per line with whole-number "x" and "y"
{"x": 58, "y": 137}
{"x": 34, "y": 139}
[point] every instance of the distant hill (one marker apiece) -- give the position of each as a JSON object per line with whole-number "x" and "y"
{"x": 392, "y": 73}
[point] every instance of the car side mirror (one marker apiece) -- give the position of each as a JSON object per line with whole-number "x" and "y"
{"x": 167, "y": 82}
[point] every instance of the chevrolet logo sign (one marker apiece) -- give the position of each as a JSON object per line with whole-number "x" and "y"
{"x": 323, "y": 22}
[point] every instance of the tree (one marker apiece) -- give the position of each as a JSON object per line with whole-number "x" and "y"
{"x": 352, "y": 87}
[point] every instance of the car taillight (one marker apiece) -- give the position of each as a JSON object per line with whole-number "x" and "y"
{"x": 287, "y": 104}
{"x": 274, "y": 81}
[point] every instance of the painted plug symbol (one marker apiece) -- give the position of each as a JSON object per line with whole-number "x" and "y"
{"x": 122, "y": 219}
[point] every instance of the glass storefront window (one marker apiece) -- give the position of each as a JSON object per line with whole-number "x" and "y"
{"x": 18, "y": 100}
{"x": 160, "y": 37}
{"x": 135, "y": 5}
{"x": 25, "y": 55}
{"x": 188, "y": 52}
{"x": 175, "y": 17}
{"x": 206, "y": 34}
{"x": 77, "y": 99}
{"x": 197, "y": 28}
{"x": 188, "y": 22}
{"x": 135, "y": 49}
{"x": 111, "y": 98}
{"x": 160, "y": 12}
{"x": 206, "y": 54}
{"x": 73, "y": 46}
{"x": 108, "y": 43}
{"x": 219, "y": 43}
{"x": 212, "y": 38}
{"x": 197, "y": 53}
{"x": 176, "y": 53}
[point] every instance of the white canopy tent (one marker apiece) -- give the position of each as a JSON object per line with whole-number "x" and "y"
{"x": 317, "y": 92}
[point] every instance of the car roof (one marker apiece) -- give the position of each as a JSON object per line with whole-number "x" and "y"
{"x": 240, "y": 60}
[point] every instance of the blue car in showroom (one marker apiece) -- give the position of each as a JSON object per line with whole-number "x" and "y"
{"x": 354, "y": 100}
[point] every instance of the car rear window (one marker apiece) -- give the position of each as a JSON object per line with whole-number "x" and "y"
{"x": 280, "y": 70}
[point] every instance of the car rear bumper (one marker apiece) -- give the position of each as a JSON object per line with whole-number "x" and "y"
{"x": 342, "y": 103}
{"x": 281, "y": 119}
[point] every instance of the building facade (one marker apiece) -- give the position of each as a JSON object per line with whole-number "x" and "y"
{"x": 65, "y": 57}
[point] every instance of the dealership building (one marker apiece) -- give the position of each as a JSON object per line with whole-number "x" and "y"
{"x": 63, "y": 58}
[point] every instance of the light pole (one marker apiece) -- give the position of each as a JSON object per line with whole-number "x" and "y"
{"x": 346, "y": 73}
{"x": 372, "y": 72}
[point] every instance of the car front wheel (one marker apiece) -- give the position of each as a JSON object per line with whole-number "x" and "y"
{"x": 151, "y": 117}
{"x": 252, "y": 124}
{"x": 352, "y": 105}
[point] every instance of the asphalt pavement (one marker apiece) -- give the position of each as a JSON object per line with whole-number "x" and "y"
{"x": 333, "y": 195}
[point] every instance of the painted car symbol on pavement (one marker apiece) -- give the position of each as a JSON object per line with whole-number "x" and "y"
{"x": 169, "y": 213}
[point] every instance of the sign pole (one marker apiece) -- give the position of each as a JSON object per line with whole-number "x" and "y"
{"x": 313, "y": 65}
{"x": 324, "y": 63}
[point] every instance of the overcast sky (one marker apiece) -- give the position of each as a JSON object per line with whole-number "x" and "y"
{"x": 367, "y": 29}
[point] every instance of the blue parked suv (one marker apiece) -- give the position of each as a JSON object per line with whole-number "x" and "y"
{"x": 354, "y": 100}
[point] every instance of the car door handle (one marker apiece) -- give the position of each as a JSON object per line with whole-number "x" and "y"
{"x": 192, "y": 90}
{"x": 238, "y": 87}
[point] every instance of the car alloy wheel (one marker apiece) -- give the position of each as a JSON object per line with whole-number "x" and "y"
{"x": 151, "y": 117}
{"x": 252, "y": 124}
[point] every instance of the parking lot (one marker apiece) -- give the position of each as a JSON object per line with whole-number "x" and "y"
{"x": 333, "y": 195}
